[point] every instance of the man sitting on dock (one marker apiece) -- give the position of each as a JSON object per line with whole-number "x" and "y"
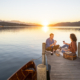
{"x": 51, "y": 44}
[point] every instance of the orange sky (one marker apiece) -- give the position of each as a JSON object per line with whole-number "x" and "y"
{"x": 40, "y": 11}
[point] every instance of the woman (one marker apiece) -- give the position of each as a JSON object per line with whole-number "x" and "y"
{"x": 72, "y": 47}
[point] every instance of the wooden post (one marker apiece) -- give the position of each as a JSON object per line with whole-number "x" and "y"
{"x": 41, "y": 72}
{"x": 79, "y": 49}
{"x": 41, "y": 68}
{"x": 43, "y": 53}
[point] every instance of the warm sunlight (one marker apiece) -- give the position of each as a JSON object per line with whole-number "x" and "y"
{"x": 45, "y": 23}
{"x": 45, "y": 28}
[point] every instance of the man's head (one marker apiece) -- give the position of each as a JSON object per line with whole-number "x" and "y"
{"x": 51, "y": 35}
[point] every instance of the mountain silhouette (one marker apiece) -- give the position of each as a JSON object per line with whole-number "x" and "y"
{"x": 7, "y": 23}
{"x": 66, "y": 24}
{"x": 18, "y": 23}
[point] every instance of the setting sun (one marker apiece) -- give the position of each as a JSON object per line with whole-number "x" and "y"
{"x": 45, "y": 23}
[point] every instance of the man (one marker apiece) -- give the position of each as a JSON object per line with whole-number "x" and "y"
{"x": 51, "y": 43}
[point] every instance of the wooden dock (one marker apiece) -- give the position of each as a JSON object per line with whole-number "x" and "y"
{"x": 59, "y": 68}
{"x": 63, "y": 69}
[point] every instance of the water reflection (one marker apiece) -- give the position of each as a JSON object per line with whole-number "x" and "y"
{"x": 68, "y": 28}
{"x": 18, "y": 45}
{"x": 45, "y": 28}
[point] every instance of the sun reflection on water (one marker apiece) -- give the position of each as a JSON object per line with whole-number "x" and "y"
{"x": 45, "y": 28}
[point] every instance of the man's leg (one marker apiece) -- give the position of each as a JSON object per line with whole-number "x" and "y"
{"x": 55, "y": 47}
{"x": 49, "y": 49}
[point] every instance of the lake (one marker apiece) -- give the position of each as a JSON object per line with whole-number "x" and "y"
{"x": 20, "y": 45}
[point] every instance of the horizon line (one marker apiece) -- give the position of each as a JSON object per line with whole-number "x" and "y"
{"x": 18, "y": 21}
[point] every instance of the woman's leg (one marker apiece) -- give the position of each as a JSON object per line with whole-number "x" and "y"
{"x": 63, "y": 51}
{"x": 65, "y": 46}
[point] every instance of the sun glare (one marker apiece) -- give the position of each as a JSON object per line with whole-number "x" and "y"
{"x": 45, "y": 28}
{"x": 45, "y": 23}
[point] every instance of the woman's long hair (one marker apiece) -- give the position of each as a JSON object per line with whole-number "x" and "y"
{"x": 73, "y": 37}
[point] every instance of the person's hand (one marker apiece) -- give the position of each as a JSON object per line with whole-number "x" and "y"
{"x": 64, "y": 42}
{"x": 65, "y": 50}
{"x": 55, "y": 42}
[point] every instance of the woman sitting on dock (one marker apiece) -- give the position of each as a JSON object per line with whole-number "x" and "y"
{"x": 72, "y": 47}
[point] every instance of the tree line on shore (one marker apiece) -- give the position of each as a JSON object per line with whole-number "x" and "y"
{"x": 3, "y": 23}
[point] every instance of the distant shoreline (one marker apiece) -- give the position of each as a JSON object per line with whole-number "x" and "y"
{"x": 3, "y": 23}
{"x": 66, "y": 24}
{"x": 72, "y": 24}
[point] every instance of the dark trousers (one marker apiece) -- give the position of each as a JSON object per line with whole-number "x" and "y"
{"x": 51, "y": 48}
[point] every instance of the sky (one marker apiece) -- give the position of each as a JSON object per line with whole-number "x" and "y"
{"x": 39, "y": 11}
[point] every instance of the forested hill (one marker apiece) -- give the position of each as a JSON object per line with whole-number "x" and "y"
{"x": 3, "y": 23}
{"x": 67, "y": 24}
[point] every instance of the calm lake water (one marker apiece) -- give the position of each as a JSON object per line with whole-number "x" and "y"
{"x": 20, "y": 45}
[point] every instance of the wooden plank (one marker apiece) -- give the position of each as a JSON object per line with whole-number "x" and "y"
{"x": 63, "y": 69}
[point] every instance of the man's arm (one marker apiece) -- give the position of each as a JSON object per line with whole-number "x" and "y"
{"x": 52, "y": 44}
{"x": 48, "y": 44}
